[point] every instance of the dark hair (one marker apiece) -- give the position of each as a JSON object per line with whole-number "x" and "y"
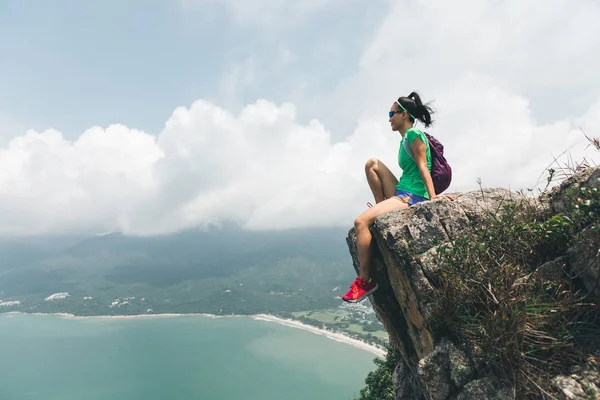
{"x": 413, "y": 104}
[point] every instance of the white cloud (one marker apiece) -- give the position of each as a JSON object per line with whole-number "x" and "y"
{"x": 544, "y": 52}
{"x": 51, "y": 184}
{"x": 489, "y": 67}
{"x": 260, "y": 168}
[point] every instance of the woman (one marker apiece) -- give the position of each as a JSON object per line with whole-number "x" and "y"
{"x": 415, "y": 184}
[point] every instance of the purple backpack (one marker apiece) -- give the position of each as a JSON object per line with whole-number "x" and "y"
{"x": 441, "y": 173}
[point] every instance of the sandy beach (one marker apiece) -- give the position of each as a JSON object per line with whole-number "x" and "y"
{"x": 338, "y": 337}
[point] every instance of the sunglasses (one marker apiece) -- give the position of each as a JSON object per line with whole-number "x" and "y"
{"x": 391, "y": 113}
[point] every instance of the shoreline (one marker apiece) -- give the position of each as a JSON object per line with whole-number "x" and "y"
{"x": 336, "y": 336}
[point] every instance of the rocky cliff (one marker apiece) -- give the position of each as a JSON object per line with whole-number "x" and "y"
{"x": 435, "y": 362}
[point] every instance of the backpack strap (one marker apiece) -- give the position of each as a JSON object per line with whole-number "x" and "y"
{"x": 428, "y": 143}
{"x": 408, "y": 149}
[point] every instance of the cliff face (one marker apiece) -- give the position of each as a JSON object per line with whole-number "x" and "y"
{"x": 404, "y": 265}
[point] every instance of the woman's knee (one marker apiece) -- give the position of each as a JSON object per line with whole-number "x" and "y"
{"x": 372, "y": 164}
{"x": 361, "y": 223}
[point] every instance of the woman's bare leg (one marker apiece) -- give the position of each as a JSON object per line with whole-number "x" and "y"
{"x": 381, "y": 180}
{"x": 363, "y": 234}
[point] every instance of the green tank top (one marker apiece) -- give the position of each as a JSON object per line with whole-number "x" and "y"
{"x": 411, "y": 180}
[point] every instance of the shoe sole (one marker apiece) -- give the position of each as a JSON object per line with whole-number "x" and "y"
{"x": 364, "y": 296}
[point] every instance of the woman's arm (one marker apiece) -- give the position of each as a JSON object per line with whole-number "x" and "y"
{"x": 420, "y": 152}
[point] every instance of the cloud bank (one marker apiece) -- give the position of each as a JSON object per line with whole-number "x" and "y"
{"x": 488, "y": 67}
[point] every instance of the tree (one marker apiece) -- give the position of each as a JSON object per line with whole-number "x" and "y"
{"x": 379, "y": 384}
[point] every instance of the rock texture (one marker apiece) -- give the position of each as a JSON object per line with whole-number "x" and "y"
{"x": 404, "y": 265}
{"x": 405, "y": 268}
{"x": 581, "y": 384}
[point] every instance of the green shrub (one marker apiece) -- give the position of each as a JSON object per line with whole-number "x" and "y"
{"x": 379, "y": 385}
{"x": 492, "y": 292}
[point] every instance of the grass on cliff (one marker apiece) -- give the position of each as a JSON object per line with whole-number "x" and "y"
{"x": 532, "y": 323}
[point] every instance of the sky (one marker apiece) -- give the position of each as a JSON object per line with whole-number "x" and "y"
{"x": 151, "y": 117}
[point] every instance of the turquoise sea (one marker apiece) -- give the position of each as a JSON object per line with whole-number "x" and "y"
{"x": 190, "y": 357}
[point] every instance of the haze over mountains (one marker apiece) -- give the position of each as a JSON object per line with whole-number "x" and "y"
{"x": 222, "y": 270}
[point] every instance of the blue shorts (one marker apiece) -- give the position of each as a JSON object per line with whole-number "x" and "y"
{"x": 409, "y": 198}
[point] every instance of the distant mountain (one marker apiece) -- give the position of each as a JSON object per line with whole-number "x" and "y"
{"x": 301, "y": 266}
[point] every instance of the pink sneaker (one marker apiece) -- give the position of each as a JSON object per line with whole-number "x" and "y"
{"x": 359, "y": 290}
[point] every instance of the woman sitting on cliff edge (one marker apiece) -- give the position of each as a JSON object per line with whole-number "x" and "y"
{"x": 415, "y": 184}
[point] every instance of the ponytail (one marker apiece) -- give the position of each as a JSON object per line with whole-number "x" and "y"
{"x": 416, "y": 109}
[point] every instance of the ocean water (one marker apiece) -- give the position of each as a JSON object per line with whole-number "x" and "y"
{"x": 52, "y": 358}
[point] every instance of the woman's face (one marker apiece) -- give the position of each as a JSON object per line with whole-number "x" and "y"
{"x": 397, "y": 117}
